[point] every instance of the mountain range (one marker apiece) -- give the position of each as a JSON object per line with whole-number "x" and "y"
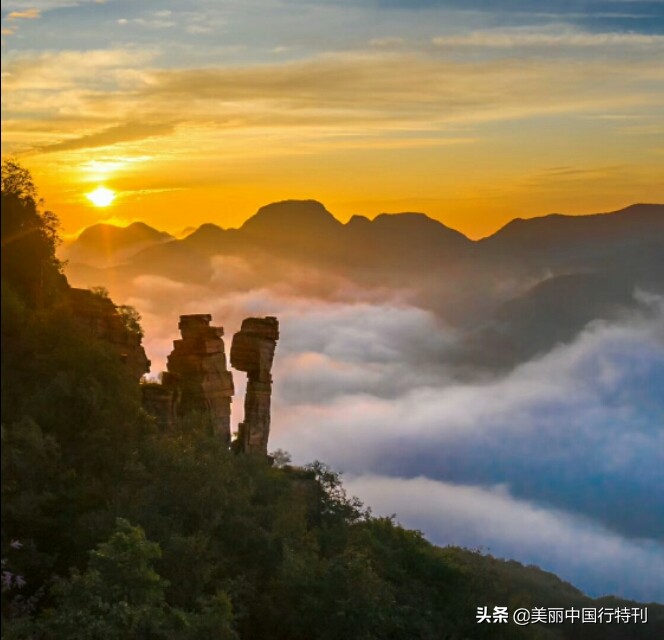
{"x": 532, "y": 284}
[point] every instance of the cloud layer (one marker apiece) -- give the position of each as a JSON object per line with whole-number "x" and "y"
{"x": 574, "y": 440}
{"x": 492, "y": 520}
{"x": 555, "y": 463}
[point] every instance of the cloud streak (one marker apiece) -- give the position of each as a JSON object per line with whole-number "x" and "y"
{"x": 377, "y": 91}
{"x": 546, "y": 39}
{"x": 26, "y": 14}
{"x": 127, "y": 132}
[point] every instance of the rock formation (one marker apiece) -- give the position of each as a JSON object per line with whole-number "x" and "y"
{"x": 96, "y": 315}
{"x": 252, "y": 351}
{"x": 199, "y": 382}
{"x": 199, "y": 375}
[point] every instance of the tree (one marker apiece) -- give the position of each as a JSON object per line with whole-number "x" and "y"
{"x": 120, "y": 595}
{"x": 131, "y": 319}
{"x": 29, "y": 238}
{"x": 17, "y": 180}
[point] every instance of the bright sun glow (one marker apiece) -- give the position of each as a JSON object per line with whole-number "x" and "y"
{"x": 101, "y": 197}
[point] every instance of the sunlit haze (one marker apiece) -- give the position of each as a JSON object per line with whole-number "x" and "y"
{"x": 205, "y": 112}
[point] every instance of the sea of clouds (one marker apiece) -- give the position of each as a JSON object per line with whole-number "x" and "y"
{"x": 558, "y": 462}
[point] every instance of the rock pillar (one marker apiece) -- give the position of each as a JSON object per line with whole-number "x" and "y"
{"x": 252, "y": 351}
{"x": 198, "y": 368}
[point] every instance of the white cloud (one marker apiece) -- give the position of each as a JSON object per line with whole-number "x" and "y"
{"x": 574, "y": 548}
{"x": 46, "y": 5}
{"x": 24, "y": 14}
{"x": 559, "y": 36}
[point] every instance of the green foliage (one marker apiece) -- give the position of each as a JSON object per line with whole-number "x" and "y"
{"x": 280, "y": 458}
{"x": 71, "y": 418}
{"x": 17, "y": 181}
{"x": 120, "y": 595}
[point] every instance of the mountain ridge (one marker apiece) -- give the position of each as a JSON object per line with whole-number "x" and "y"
{"x": 278, "y": 218}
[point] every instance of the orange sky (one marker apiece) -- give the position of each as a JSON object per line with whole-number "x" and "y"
{"x": 473, "y": 118}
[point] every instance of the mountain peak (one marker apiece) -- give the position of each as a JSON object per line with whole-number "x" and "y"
{"x": 417, "y": 227}
{"x": 132, "y": 233}
{"x": 292, "y": 216}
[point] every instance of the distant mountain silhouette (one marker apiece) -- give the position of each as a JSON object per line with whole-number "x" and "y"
{"x": 412, "y": 238}
{"x": 559, "y": 239}
{"x": 292, "y": 217}
{"x": 552, "y": 312}
{"x": 106, "y": 245}
{"x": 305, "y": 230}
{"x": 554, "y": 230}
{"x": 402, "y": 241}
{"x": 531, "y": 285}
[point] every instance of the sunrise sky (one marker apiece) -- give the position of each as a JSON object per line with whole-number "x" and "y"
{"x": 473, "y": 112}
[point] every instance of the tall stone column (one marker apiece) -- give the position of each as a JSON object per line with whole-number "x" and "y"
{"x": 252, "y": 351}
{"x": 198, "y": 366}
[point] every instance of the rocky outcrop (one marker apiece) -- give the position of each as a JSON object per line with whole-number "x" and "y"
{"x": 252, "y": 351}
{"x": 96, "y": 315}
{"x": 198, "y": 373}
{"x": 199, "y": 382}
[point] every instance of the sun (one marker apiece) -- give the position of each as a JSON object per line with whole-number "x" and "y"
{"x": 101, "y": 196}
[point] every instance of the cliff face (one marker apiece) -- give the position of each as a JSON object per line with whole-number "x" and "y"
{"x": 97, "y": 316}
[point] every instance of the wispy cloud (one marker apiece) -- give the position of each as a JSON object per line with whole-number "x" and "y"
{"x": 18, "y": 6}
{"x": 27, "y": 14}
{"x": 350, "y": 92}
{"x": 164, "y": 19}
{"x": 112, "y": 135}
{"x": 547, "y": 39}
{"x": 91, "y": 70}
